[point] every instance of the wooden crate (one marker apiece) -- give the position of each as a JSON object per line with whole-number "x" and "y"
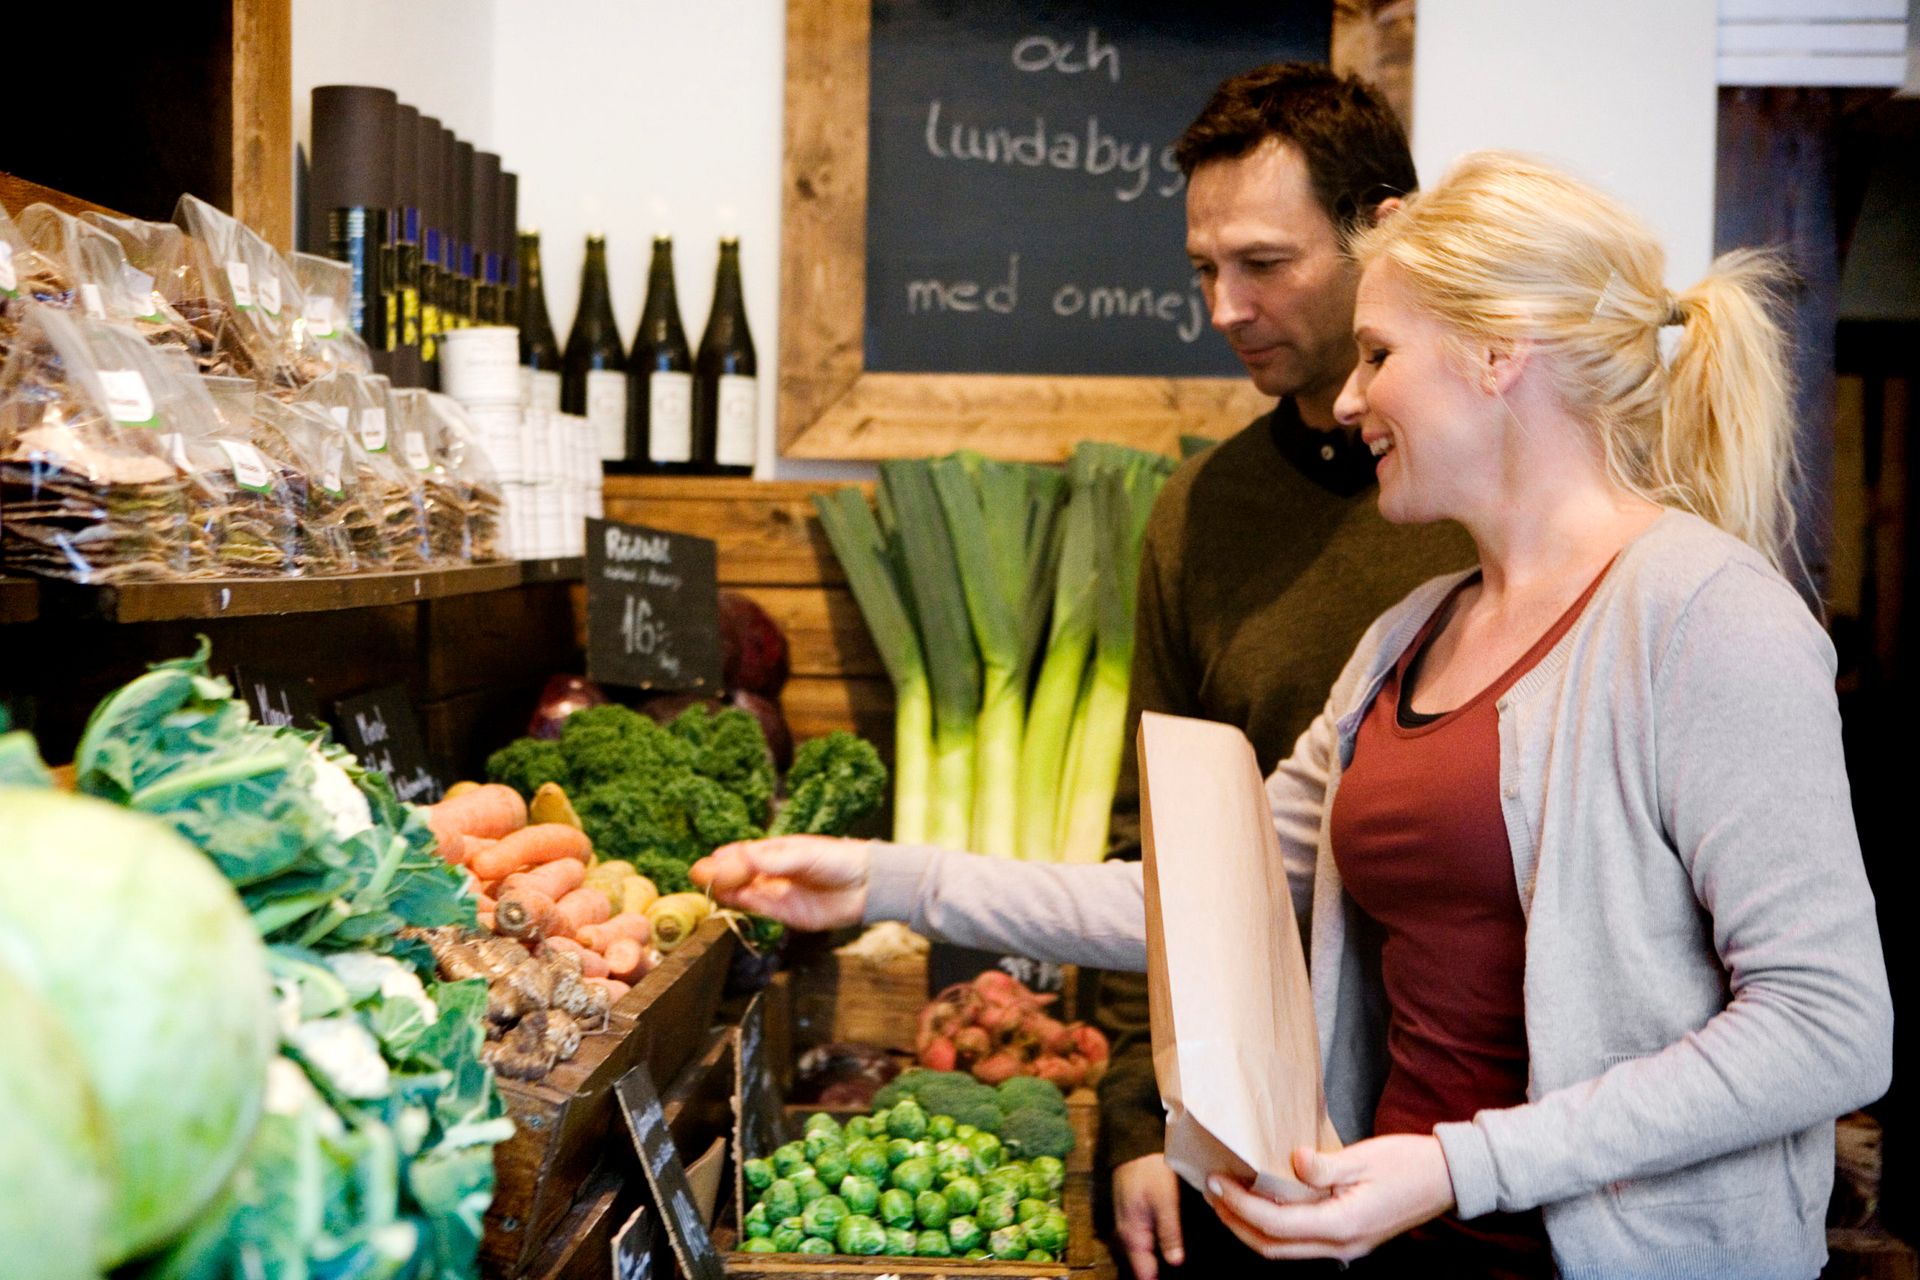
{"x": 1085, "y": 1254}
{"x": 562, "y": 1122}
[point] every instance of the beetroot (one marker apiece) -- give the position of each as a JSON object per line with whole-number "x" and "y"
{"x": 773, "y": 725}
{"x": 996, "y": 1028}
{"x": 753, "y": 650}
{"x": 939, "y": 1055}
{"x": 562, "y": 696}
{"x": 995, "y": 1068}
{"x": 1064, "y": 1072}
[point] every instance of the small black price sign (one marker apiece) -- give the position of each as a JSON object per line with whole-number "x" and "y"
{"x": 632, "y": 1248}
{"x": 759, "y": 1121}
{"x": 653, "y": 608}
{"x": 667, "y": 1177}
{"x": 278, "y": 698}
{"x": 948, "y": 964}
{"x": 380, "y": 728}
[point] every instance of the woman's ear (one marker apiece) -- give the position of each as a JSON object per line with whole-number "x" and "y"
{"x": 1502, "y": 365}
{"x": 1385, "y": 207}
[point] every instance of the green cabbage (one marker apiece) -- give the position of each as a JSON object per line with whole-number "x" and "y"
{"x": 133, "y": 940}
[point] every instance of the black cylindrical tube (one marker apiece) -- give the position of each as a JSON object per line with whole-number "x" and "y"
{"x": 432, "y": 221}
{"x": 483, "y": 222}
{"x": 353, "y": 193}
{"x": 406, "y": 220}
{"x": 464, "y": 277}
{"x": 507, "y": 234}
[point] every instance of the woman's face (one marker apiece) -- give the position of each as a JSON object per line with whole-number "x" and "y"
{"x": 1431, "y": 419}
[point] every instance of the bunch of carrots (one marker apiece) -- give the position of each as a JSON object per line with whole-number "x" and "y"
{"x": 538, "y": 881}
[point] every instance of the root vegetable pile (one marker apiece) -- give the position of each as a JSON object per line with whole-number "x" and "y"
{"x": 996, "y": 1029}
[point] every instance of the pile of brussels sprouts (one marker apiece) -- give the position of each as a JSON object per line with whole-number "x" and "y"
{"x": 905, "y": 1183}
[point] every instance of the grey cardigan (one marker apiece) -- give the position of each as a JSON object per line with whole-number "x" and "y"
{"x": 1704, "y": 987}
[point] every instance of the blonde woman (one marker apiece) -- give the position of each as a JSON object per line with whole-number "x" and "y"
{"x": 1594, "y": 960}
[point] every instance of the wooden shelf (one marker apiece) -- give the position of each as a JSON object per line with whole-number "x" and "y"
{"x": 19, "y": 600}
{"x": 563, "y": 569}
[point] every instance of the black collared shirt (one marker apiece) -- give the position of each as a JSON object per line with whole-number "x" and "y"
{"x": 1336, "y": 459}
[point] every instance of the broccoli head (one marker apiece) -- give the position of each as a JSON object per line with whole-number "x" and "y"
{"x": 980, "y": 1112}
{"x": 1037, "y": 1131}
{"x": 835, "y": 781}
{"x": 1031, "y": 1091}
{"x": 729, "y": 748}
{"x": 610, "y": 742}
{"x": 527, "y": 763}
{"x": 952, "y": 1093}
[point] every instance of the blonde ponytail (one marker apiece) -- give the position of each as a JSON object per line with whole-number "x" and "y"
{"x": 1507, "y": 249}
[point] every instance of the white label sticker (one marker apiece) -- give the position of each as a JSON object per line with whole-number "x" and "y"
{"x": 670, "y": 416}
{"x": 240, "y": 280}
{"x": 128, "y": 399}
{"x": 540, "y": 388}
{"x": 736, "y": 420}
{"x": 249, "y": 468}
{"x": 320, "y": 316}
{"x": 413, "y": 444}
{"x": 9, "y": 279}
{"x": 373, "y": 430}
{"x": 90, "y": 300}
{"x": 341, "y": 415}
{"x": 140, "y": 288}
{"x": 607, "y": 410}
{"x": 269, "y": 292}
{"x": 333, "y": 458}
{"x": 176, "y": 446}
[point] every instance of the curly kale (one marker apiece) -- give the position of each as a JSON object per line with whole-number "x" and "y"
{"x": 681, "y": 817}
{"x": 835, "y": 781}
{"x": 608, "y": 743}
{"x": 669, "y": 875}
{"x": 527, "y": 763}
{"x": 729, "y": 748}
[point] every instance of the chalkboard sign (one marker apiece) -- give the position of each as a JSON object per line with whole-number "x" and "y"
{"x": 653, "y": 608}
{"x": 948, "y": 964}
{"x": 759, "y": 1121}
{"x": 278, "y": 698}
{"x": 1024, "y": 210}
{"x": 380, "y": 728}
{"x": 632, "y": 1247}
{"x": 666, "y": 1177}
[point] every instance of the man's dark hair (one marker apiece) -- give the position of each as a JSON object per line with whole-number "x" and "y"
{"x": 1355, "y": 150}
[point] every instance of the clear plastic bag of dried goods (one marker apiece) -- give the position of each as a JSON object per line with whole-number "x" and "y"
{"x": 465, "y": 459}
{"x": 341, "y": 520}
{"x": 13, "y": 298}
{"x": 326, "y": 332}
{"x": 363, "y": 406}
{"x": 244, "y": 294}
{"x": 419, "y": 435}
{"x": 244, "y": 516}
{"x": 153, "y": 266}
{"x": 88, "y": 491}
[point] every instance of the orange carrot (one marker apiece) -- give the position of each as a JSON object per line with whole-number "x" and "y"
{"x": 491, "y": 811}
{"x": 453, "y": 849}
{"x": 628, "y": 924}
{"x": 556, "y": 879}
{"x": 592, "y": 963}
{"x": 484, "y": 902}
{"x": 615, "y": 988}
{"x": 529, "y": 847}
{"x": 624, "y": 958}
{"x": 582, "y": 907}
{"x": 524, "y": 913}
{"x": 486, "y": 920}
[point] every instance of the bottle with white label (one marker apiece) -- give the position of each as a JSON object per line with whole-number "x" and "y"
{"x": 660, "y": 378}
{"x": 594, "y": 377}
{"x": 726, "y": 398}
{"x": 539, "y": 349}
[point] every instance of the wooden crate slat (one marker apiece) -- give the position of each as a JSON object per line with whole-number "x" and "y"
{"x": 767, "y": 532}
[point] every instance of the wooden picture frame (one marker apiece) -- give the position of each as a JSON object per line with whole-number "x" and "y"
{"x": 830, "y": 406}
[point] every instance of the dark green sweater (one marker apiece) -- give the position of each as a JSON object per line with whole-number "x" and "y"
{"x": 1265, "y": 560}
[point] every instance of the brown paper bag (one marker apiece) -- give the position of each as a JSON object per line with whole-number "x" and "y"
{"x": 1235, "y": 1048}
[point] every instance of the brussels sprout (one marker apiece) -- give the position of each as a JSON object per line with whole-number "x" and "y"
{"x": 811, "y": 1189}
{"x": 920, "y": 1149}
{"x": 821, "y": 1122}
{"x": 932, "y": 1244}
{"x": 1008, "y": 1243}
{"x": 800, "y": 1173}
{"x": 860, "y": 1234}
{"x": 952, "y": 1154}
{"x": 901, "y": 1242}
{"x": 913, "y": 1176}
{"x": 819, "y": 1142}
{"x": 976, "y": 1254}
{"x": 831, "y": 1166}
{"x": 861, "y": 1193}
{"x": 788, "y": 1235}
{"x": 1048, "y": 1232}
{"x": 757, "y": 1244}
{"x": 756, "y": 1222}
{"x": 868, "y": 1159}
{"x": 986, "y": 1152}
{"x": 930, "y": 1207}
{"x": 996, "y": 1209}
{"x": 1049, "y": 1168}
{"x": 1038, "y": 1255}
{"x": 787, "y": 1157}
{"x": 758, "y": 1173}
{"x": 896, "y": 1207}
{"x": 823, "y": 1217}
{"x": 1005, "y": 1178}
{"x": 939, "y": 1127}
{"x": 1029, "y": 1209}
{"x": 907, "y": 1120}
{"x": 963, "y": 1233}
{"x": 898, "y": 1149}
{"x": 877, "y": 1123}
{"x": 1034, "y": 1186}
{"x": 964, "y": 1131}
{"x": 814, "y": 1244}
{"x": 782, "y": 1199}
{"x": 856, "y": 1128}
{"x": 963, "y": 1195}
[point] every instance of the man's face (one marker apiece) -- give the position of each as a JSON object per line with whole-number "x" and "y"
{"x": 1271, "y": 267}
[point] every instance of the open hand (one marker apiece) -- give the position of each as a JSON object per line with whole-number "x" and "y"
{"x": 1376, "y": 1190}
{"x": 804, "y": 882}
{"x": 1146, "y": 1214}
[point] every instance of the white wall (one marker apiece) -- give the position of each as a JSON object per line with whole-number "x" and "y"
{"x": 634, "y": 115}
{"x": 1621, "y": 92}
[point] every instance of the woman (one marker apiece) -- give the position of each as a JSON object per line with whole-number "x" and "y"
{"x": 1594, "y": 960}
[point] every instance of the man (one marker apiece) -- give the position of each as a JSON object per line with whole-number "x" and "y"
{"x": 1265, "y": 557}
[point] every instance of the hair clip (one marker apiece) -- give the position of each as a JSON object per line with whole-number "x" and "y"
{"x": 1605, "y": 301}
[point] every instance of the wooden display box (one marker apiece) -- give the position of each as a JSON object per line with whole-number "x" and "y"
{"x": 562, "y": 1122}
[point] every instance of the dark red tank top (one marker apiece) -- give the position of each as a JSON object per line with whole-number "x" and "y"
{"x": 1421, "y": 843}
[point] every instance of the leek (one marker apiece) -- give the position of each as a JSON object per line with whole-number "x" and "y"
{"x": 863, "y": 553}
